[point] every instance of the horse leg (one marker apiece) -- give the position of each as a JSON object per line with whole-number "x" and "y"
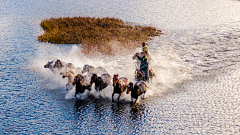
{"x": 119, "y": 96}
{"x": 76, "y": 95}
{"x": 112, "y": 97}
{"x": 136, "y": 99}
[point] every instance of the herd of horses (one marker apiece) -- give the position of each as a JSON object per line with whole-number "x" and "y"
{"x": 83, "y": 78}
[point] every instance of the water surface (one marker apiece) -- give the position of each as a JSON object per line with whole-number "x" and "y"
{"x": 196, "y": 62}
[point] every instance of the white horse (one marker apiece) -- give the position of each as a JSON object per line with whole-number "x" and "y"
{"x": 57, "y": 65}
{"x": 70, "y": 74}
{"x": 90, "y": 70}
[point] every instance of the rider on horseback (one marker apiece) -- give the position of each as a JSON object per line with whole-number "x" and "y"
{"x": 144, "y": 62}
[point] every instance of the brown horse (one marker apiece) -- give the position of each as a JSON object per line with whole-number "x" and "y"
{"x": 80, "y": 85}
{"x": 139, "y": 75}
{"x": 137, "y": 89}
{"x": 70, "y": 75}
{"x": 119, "y": 85}
{"x": 151, "y": 74}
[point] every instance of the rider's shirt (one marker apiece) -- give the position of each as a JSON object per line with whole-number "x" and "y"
{"x": 144, "y": 62}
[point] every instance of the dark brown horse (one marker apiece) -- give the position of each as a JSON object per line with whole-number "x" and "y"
{"x": 137, "y": 89}
{"x": 100, "y": 82}
{"x": 80, "y": 85}
{"x": 119, "y": 85}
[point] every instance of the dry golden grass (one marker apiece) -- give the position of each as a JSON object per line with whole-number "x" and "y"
{"x": 95, "y": 34}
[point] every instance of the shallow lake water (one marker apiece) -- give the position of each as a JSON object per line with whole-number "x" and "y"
{"x": 196, "y": 62}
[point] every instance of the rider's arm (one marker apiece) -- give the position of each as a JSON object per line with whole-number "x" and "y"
{"x": 139, "y": 57}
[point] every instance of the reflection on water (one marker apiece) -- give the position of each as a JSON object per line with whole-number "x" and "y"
{"x": 137, "y": 111}
{"x": 105, "y": 115}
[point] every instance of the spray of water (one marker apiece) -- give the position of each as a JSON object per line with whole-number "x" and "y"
{"x": 165, "y": 65}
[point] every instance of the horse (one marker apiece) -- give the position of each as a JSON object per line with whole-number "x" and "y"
{"x": 135, "y": 58}
{"x": 137, "y": 89}
{"x": 58, "y": 65}
{"x": 70, "y": 74}
{"x": 92, "y": 70}
{"x": 139, "y": 75}
{"x": 80, "y": 85}
{"x": 151, "y": 74}
{"x": 119, "y": 85}
{"x": 78, "y": 70}
{"x": 100, "y": 82}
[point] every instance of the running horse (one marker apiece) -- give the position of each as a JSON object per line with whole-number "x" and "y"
{"x": 137, "y": 89}
{"x": 119, "y": 85}
{"x": 52, "y": 65}
{"x": 139, "y": 75}
{"x": 101, "y": 82}
{"x": 90, "y": 70}
{"x": 80, "y": 85}
{"x": 70, "y": 74}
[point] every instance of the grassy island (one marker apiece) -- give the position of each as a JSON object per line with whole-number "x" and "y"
{"x": 95, "y": 34}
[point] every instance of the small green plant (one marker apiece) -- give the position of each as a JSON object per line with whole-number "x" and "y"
{"x": 94, "y": 33}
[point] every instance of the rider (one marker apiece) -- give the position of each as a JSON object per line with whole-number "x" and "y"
{"x": 144, "y": 61}
{"x": 144, "y": 48}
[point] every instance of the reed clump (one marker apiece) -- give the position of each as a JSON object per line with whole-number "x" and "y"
{"x": 95, "y": 34}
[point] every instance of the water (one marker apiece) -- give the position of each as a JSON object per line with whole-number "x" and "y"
{"x": 196, "y": 62}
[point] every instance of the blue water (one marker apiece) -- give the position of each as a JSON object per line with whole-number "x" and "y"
{"x": 34, "y": 101}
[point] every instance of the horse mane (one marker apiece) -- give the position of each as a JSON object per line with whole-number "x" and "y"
{"x": 118, "y": 84}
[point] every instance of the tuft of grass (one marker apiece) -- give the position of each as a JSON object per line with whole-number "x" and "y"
{"x": 94, "y": 33}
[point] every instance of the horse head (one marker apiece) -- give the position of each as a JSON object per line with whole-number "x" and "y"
{"x": 137, "y": 54}
{"x": 77, "y": 79}
{"x": 99, "y": 82}
{"x": 139, "y": 75}
{"x": 130, "y": 87}
{"x": 87, "y": 68}
{"x": 93, "y": 79}
{"x": 48, "y": 65}
{"x": 151, "y": 73}
{"x": 115, "y": 79}
{"x": 58, "y": 64}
